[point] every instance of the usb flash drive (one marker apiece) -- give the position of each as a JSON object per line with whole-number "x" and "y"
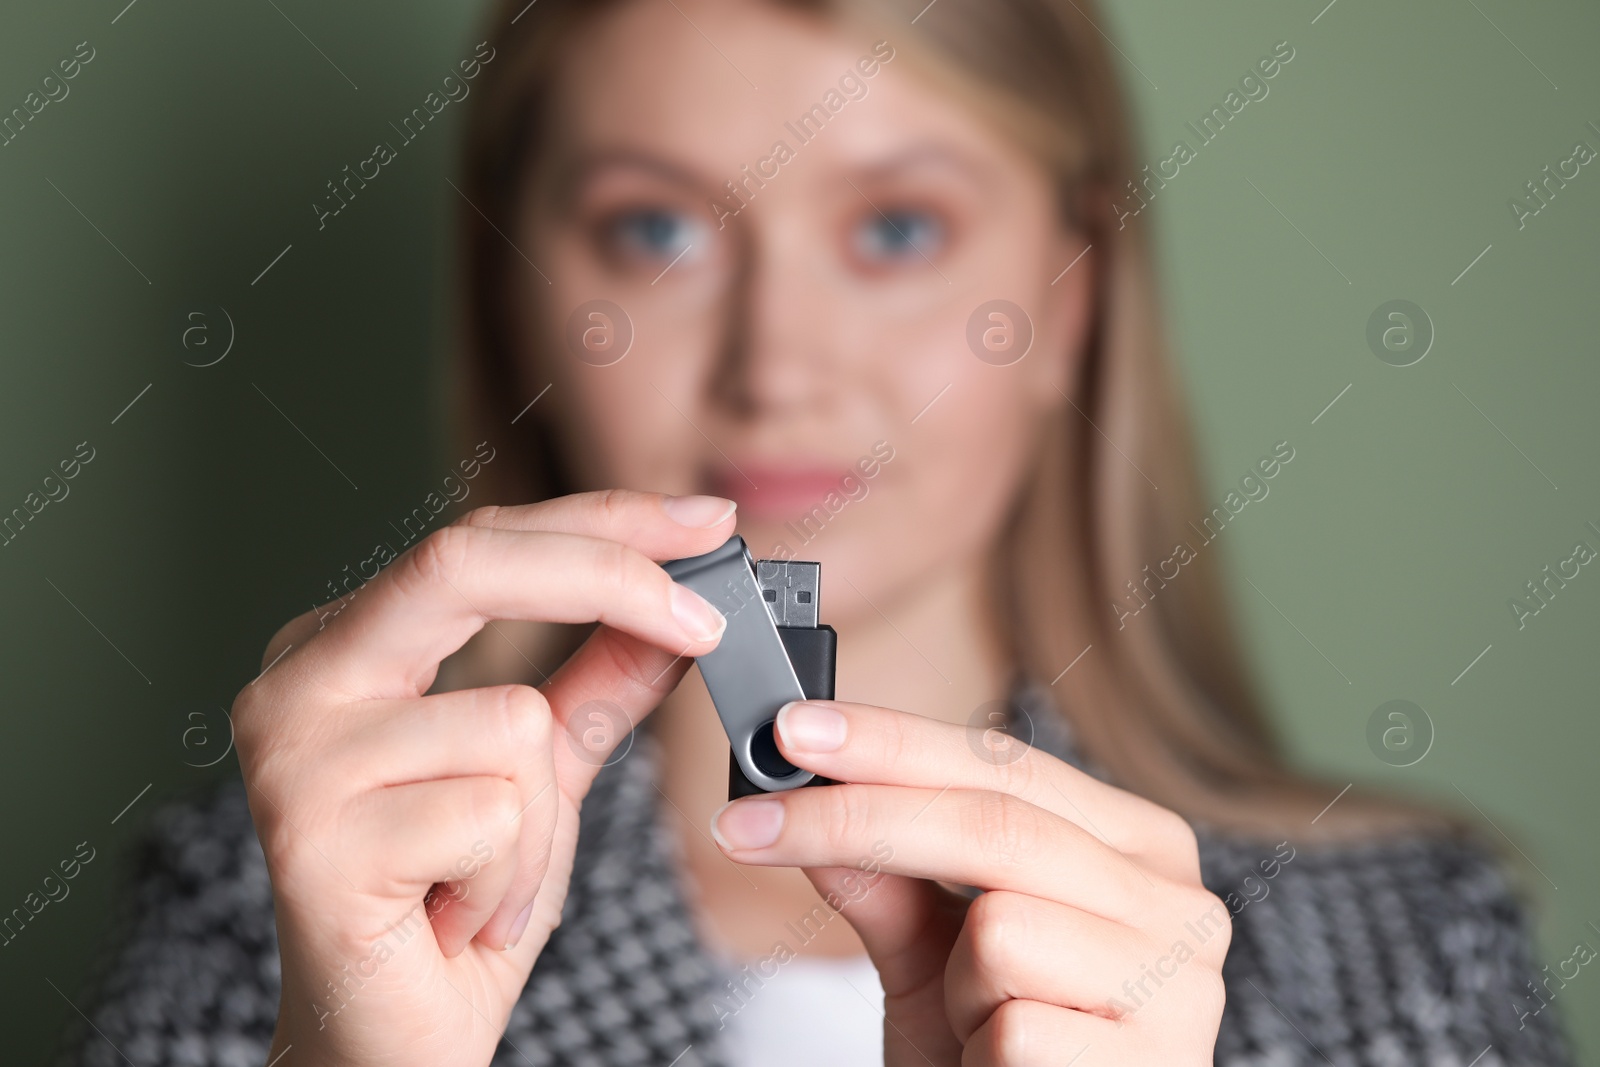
{"x": 767, "y": 657}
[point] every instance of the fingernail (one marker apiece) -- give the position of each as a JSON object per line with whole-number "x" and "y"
{"x": 699, "y": 620}
{"x": 519, "y": 926}
{"x": 697, "y": 512}
{"x": 747, "y": 823}
{"x": 811, "y": 727}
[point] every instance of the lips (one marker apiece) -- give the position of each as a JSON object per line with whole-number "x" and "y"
{"x": 774, "y": 491}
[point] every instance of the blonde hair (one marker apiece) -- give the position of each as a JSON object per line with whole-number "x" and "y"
{"x": 1163, "y": 702}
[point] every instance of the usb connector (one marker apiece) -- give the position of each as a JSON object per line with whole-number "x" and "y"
{"x": 789, "y": 589}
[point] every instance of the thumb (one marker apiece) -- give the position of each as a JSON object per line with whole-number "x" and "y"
{"x": 599, "y": 695}
{"x": 908, "y": 926}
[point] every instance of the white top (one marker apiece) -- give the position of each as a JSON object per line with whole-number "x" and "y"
{"x": 803, "y": 1012}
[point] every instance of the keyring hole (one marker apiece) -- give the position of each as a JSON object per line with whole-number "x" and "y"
{"x": 765, "y": 755}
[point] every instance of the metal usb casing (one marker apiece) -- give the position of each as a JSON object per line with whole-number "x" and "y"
{"x": 749, "y": 674}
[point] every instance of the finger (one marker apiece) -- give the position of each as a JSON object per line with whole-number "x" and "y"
{"x": 862, "y": 743}
{"x": 598, "y": 696}
{"x": 907, "y": 926}
{"x": 503, "y": 731}
{"x": 389, "y": 641}
{"x": 1016, "y": 947}
{"x": 1025, "y": 1033}
{"x": 652, "y": 523}
{"x": 461, "y": 733}
{"x": 659, "y": 526}
{"x": 455, "y": 831}
{"x": 298, "y": 630}
{"x": 978, "y": 838}
{"x": 564, "y": 732}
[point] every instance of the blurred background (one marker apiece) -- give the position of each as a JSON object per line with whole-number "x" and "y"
{"x": 246, "y": 399}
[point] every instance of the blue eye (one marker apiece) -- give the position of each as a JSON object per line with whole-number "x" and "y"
{"x": 899, "y": 235}
{"x": 652, "y": 232}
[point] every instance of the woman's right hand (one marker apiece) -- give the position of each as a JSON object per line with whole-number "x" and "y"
{"x": 420, "y": 847}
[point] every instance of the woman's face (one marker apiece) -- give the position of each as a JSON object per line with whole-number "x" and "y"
{"x": 807, "y": 347}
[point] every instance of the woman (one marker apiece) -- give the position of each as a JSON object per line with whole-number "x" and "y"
{"x": 848, "y": 279}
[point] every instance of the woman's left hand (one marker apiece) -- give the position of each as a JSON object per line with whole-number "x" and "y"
{"x": 1093, "y": 937}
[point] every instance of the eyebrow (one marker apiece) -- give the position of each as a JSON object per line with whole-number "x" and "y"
{"x": 586, "y": 163}
{"x": 930, "y": 153}
{"x": 917, "y": 155}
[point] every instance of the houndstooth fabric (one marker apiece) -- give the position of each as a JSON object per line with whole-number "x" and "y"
{"x": 1388, "y": 954}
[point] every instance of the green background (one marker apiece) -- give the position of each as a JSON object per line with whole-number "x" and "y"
{"x": 1378, "y": 568}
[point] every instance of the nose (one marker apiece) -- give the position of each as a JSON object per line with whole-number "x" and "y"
{"x": 779, "y": 345}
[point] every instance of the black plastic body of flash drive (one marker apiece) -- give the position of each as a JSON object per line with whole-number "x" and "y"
{"x": 768, "y": 655}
